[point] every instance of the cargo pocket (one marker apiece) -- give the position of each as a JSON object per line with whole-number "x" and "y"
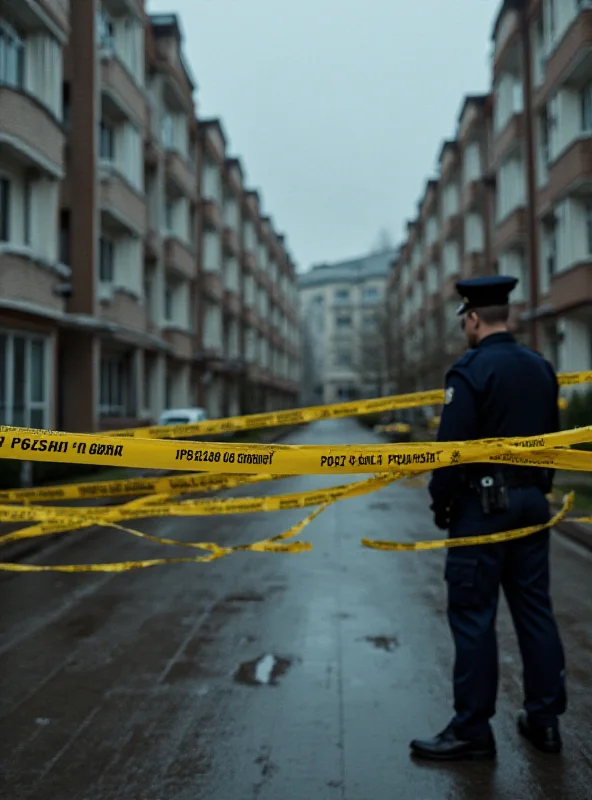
{"x": 462, "y": 576}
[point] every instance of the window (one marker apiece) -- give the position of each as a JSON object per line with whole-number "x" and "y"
{"x": 65, "y": 236}
{"x": 27, "y": 210}
{"x": 342, "y": 295}
{"x": 105, "y": 33}
{"x": 370, "y": 294}
{"x": 586, "y": 107}
{"x": 168, "y": 131}
{"x": 343, "y": 322}
{"x": 550, "y": 238}
{"x": 24, "y": 391}
{"x": 588, "y": 211}
{"x": 66, "y": 107}
{"x": 115, "y": 373}
{"x": 12, "y": 57}
{"x": 4, "y": 210}
{"x": 106, "y": 141}
{"x": 370, "y": 322}
{"x": 106, "y": 260}
{"x": 545, "y": 138}
{"x": 168, "y": 391}
{"x": 168, "y": 215}
{"x": 169, "y": 297}
{"x": 343, "y": 358}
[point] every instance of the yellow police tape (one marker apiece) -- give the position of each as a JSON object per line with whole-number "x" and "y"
{"x": 464, "y": 541}
{"x": 550, "y": 451}
{"x": 197, "y": 482}
{"x": 272, "y": 545}
{"x": 297, "y": 416}
{"x": 248, "y": 505}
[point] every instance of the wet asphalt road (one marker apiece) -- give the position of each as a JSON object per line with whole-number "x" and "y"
{"x": 131, "y": 685}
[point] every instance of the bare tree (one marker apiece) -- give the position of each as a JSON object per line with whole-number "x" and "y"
{"x": 383, "y": 242}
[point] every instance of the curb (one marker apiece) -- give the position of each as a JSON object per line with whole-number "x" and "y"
{"x": 18, "y": 551}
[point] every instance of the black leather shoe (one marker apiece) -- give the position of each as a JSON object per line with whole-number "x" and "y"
{"x": 544, "y": 737}
{"x": 447, "y": 747}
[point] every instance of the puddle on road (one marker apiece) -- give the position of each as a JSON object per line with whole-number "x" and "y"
{"x": 263, "y": 671}
{"x": 387, "y": 643}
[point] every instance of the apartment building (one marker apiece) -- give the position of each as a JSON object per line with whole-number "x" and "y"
{"x": 128, "y": 240}
{"x": 346, "y": 334}
{"x": 512, "y": 195}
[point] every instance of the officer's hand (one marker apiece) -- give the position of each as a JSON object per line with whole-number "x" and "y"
{"x": 442, "y": 517}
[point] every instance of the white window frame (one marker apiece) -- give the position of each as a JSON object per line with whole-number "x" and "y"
{"x": 29, "y": 404}
{"x": 117, "y": 363}
{"x": 586, "y": 108}
{"x": 111, "y": 244}
{"x": 169, "y": 301}
{"x": 588, "y": 217}
{"x": 105, "y": 30}
{"x": 11, "y": 45}
{"x": 107, "y": 130}
{"x": 5, "y": 210}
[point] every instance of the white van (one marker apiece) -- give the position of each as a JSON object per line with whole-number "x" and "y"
{"x": 182, "y": 416}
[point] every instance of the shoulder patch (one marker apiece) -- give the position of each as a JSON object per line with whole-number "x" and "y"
{"x": 448, "y": 395}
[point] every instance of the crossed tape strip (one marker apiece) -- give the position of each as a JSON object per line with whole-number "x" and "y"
{"x": 298, "y": 416}
{"x": 272, "y": 545}
{"x": 154, "y": 506}
{"x": 464, "y": 541}
{"x": 197, "y": 482}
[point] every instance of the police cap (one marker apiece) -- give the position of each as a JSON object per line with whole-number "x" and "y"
{"x": 481, "y": 292}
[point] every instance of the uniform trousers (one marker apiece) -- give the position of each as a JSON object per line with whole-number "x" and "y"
{"x": 474, "y": 575}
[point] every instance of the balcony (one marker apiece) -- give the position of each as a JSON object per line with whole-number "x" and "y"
{"x": 230, "y": 241}
{"x": 180, "y": 257}
{"x": 250, "y": 317}
{"x": 213, "y": 285}
{"x": 126, "y": 311}
{"x": 211, "y": 214}
{"x": 152, "y": 246}
{"x": 571, "y": 61}
{"x": 179, "y": 173}
{"x": 511, "y": 231}
{"x": 509, "y": 138}
{"x": 506, "y": 39}
{"x": 471, "y": 195}
{"x": 449, "y": 289}
{"x": 248, "y": 261}
{"x": 452, "y": 227}
{"x": 572, "y": 172}
{"x": 22, "y": 280}
{"x": 572, "y": 288}
{"x": 29, "y": 133}
{"x": 123, "y": 207}
{"x": 119, "y": 86}
{"x": 232, "y": 302}
{"x": 180, "y": 342}
{"x": 474, "y": 265}
{"x": 432, "y": 253}
{"x": 59, "y": 11}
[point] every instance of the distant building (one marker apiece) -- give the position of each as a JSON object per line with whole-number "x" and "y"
{"x": 342, "y": 308}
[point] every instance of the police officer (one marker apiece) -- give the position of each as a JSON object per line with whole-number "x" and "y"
{"x": 497, "y": 388}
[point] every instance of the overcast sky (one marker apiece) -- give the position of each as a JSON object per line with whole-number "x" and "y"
{"x": 336, "y": 108}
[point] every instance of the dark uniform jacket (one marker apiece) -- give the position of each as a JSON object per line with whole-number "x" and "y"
{"x": 499, "y": 388}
